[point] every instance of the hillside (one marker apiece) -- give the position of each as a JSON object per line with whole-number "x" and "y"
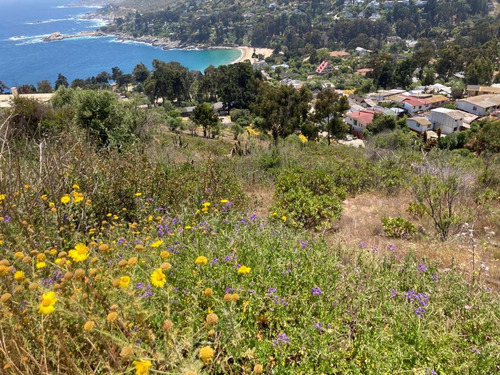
{"x": 130, "y": 243}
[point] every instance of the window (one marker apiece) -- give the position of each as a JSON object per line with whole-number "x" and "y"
{"x": 355, "y": 122}
{"x": 474, "y": 108}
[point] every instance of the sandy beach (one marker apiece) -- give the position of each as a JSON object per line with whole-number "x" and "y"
{"x": 247, "y": 52}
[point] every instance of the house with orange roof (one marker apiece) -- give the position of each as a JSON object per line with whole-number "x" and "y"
{"x": 358, "y": 121}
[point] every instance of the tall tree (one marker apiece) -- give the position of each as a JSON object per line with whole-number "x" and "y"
{"x": 44, "y": 87}
{"x": 479, "y": 72}
{"x": 203, "y": 114}
{"x": 140, "y": 73}
{"x": 61, "y": 81}
{"x": 329, "y": 109}
{"x": 282, "y": 108}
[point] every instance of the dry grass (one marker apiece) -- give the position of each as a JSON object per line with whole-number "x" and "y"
{"x": 361, "y": 222}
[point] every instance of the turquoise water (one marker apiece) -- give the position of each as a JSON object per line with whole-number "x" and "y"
{"x": 26, "y": 59}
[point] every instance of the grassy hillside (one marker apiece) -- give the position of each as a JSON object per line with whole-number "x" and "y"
{"x": 170, "y": 257}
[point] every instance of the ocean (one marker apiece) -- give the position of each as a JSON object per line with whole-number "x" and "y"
{"x": 26, "y": 59}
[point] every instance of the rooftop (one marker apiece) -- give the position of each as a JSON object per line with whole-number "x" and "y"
{"x": 364, "y": 117}
{"x": 453, "y": 113}
{"x": 484, "y": 101}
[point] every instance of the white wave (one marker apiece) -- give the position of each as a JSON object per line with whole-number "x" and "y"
{"x": 30, "y": 41}
{"x": 79, "y": 6}
{"x": 51, "y": 21}
{"x": 31, "y": 37}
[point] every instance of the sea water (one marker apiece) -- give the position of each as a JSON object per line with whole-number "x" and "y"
{"x": 26, "y": 59}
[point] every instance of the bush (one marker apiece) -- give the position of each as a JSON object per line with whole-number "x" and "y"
{"x": 397, "y": 227}
{"x": 307, "y": 198}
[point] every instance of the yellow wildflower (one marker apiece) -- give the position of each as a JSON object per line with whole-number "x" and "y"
{"x": 18, "y": 255}
{"x": 47, "y": 305}
{"x": 208, "y": 292}
{"x": 41, "y": 265}
{"x": 212, "y": 319}
{"x": 224, "y": 201}
{"x": 206, "y": 354}
{"x": 165, "y": 254}
{"x": 88, "y": 326}
{"x": 142, "y": 367}
{"x": 124, "y": 281}
{"x": 19, "y": 275}
{"x": 79, "y": 253}
{"x": 158, "y": 278}
{"x": 187, "y": 227}
{"x": 65, "y": 199}
{"x": 201, "y": 260}
{"x": 206, "y": 204}
{"x": 283, "y": 218}
{"x": 2, "y": 197}
{"x": 76, "y": 187}
{"x": 138, "y": 194}
{"x": 157, "y": 243}
{"x": 78, "y": 196}
{"x": 243, "y": 270}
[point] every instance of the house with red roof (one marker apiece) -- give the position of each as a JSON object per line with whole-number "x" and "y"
{"x": 414, "y": 105}
{"x": 358, "y": 121}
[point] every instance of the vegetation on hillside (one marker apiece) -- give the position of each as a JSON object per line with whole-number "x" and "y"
{"x": 128, "y": 248}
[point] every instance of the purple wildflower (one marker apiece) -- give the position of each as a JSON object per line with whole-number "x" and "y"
{"x": 393, "y": 292}
{"x": 318, "y": 326}
{"x": 420, "y": 312}
{"x": 434, "y": 277}
{"x": 281, "y": 339}
{"x": 422, "y": 267}
{"x": 362, "y": 245}
{"x": 316, "y": 291}
{"x": 271, "y": 291}
{"x": 391, "y": 247}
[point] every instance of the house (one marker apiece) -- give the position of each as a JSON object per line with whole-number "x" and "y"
{"x": 436, "y": 101}
{"x": 363, "y": 72}
{"x": 475, "y": 90}
{"x": 362, "y": 50}
{"x": 323, "y": 67}
{"x": 481, "y": 105}
{"x": 415, "y": 105}
{"x": 339, "y": 54}
{"x": 419, "y": 124}
{"x": 448, "y": 120}
{"x": 295, "y": 83}
{"x": 383, "y": 95}
{"x": 358, "y": 121}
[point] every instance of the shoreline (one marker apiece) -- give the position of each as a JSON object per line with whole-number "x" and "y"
{"x": 246, "y": 52}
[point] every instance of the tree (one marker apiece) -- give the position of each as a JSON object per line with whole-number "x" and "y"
{"x": 111, "y": 122}
{"x": 282, "y": 108}
{"x": 381, "y": 123}
{"x": 169, "y": 81}
{"x": 44, "y": 87}
{"x": 479, "y": 72}
{"x": 329, "y": 110}
{"x": 140, "y": 73}
{"x": 115, "y": 73}
{"x": 103, "y": 79}
{"x": 61, "y": 81}
{"x": 203, "y": 114}
{"x": 486, "y": 139}
{"x": 439, "y": 192}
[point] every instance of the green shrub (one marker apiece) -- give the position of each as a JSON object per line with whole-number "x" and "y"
{"x": 307, "y": 198}
{"x": 397, "y": 227}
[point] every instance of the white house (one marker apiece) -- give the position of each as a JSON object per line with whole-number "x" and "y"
{"x": 448, "y": 120}
{"x": 419, "y": 124}
{"x": 414, "y": 105}
{"x": 358, "y": 121}
{"x": 481, "y": 105}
